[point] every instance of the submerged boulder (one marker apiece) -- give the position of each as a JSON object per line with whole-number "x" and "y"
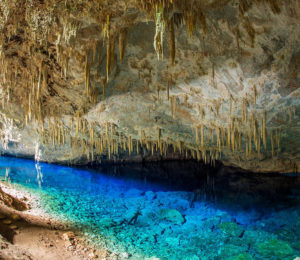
{"x": 274, "y": 247}
{"x": 172, "y": 215}
{"x": 231, "y": 229}
{"x": 244, "y": 256}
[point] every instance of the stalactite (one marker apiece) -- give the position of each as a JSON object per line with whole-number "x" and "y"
{"x": 122, "y": 42}
{"x": 87, "y": 74}
{"x": 172, "y": 41}
{"x": 255, "y": 93}
{"x": 272, "y": 142}
{"x": 159, "y": 139}
{"x": 255, "y": 134}
{"x": 108, "y": 51}
{"x": 159, "y": 32}
{"x": 173, "y": 106}
{"x": 179, "y": 145}
{"x": 168, "y": 90}
{"x": 197, "y": 134}
{"x": 202, "y": 136}
{"x": 77, "y": 123}
{"x": 250, "y": 141}
{"x": 219, "y": 139}
{"x": 264, "y": 130}
{"x": 279, "y": 137}
{"x": 228, "y": 136}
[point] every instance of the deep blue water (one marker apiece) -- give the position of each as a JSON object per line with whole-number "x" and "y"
{"x": 223, "y": 216}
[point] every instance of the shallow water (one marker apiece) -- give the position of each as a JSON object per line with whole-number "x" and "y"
{"x": 212, "y": 216}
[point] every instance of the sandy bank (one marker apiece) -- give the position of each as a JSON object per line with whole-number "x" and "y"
{"x": 32, "y": 234}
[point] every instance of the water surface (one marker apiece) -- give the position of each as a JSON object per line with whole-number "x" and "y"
{"x": 214, "y": 215}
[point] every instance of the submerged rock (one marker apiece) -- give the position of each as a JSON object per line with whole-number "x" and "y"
{"x": 244, "y": 256}
{"x": 229, "y": 251}
{"x": 274, "y": 247}
{"x": 231, "y": 229}
{"x": 172, "y": 215}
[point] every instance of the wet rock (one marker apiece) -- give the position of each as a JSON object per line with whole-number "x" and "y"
{"x": 106, "y": 222}
{"x": 274, "y": 247}
{"x": 150, "y": 195}
{"x": 13, "y": 227}
{"x": 229, "y": 251}
{"x": 15, "y": 217}
{"x": 286, "y": 234}
{"x": 243, "y": 256}
{"x": 257, "y": 236}
{"x": 231, "y": 229}
{"x": 172, "y": 215}
{"x": 133, "y": 193}
{"x": 296, "y": 245}
{"x": 191, "y": 257}
{"x": 12, "y": 202}
{"x": 68, "y": 236}
{"x": 172, "y": 241}
{"x": 7, "y": 221}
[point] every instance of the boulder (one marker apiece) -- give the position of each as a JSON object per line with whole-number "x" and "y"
{"x": 231, "y": 229}
{"x": 172, "y": 215}
{"x": 274, "y": 247}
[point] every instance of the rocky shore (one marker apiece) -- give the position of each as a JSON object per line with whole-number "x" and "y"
{"x": 26, "y": 232}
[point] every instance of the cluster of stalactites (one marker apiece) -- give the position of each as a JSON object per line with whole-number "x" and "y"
{"x": 106, "y": 141}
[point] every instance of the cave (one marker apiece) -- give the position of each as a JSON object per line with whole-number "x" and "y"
{"x": 149, "y": 129}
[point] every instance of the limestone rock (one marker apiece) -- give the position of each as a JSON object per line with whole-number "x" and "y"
{"x": 231, "y": 229}
{"x": 172, "y": 215}
{"x": 12, "y": 202}
{"x": 274, "y": 247}
{"x": 227, "y": 89}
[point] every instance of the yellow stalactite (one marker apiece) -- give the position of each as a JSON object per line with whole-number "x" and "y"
{"x": 172, "y": 41}
{"x": 202, "y": 136}
{"x": 122, "y": 42}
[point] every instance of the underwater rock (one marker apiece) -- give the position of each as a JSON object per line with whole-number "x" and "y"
{"x": 274, "y": 247}
{"x": 286, "y": 234}
{"x": 172, "y": 215}
{"x": 257, "y": 236}
{"x": 296, "y": 245}
{"x": 106, "y": 222}
{"x": 150, "y": 195}
{"x": 172, "y": 241}
{"x": 244, "y": 256}
{"x": 231, "y": 229}
{"x": 132, "y": 193}
{"x": 228, "y": 251}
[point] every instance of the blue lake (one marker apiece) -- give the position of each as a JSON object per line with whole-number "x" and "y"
{"x": 226, "y": 215}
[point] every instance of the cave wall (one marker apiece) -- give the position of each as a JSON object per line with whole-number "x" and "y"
{"x": 112, "y": 81}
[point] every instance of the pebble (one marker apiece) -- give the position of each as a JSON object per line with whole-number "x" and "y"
{"x": 15, "y": 217}
{"x": 7, "y": 221}
{"x": 13, "y": 227}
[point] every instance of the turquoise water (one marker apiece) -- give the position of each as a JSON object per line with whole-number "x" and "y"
{"x": 213, "y": 216}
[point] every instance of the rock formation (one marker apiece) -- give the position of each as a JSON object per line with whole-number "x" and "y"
{"x": 93, "y": 81}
